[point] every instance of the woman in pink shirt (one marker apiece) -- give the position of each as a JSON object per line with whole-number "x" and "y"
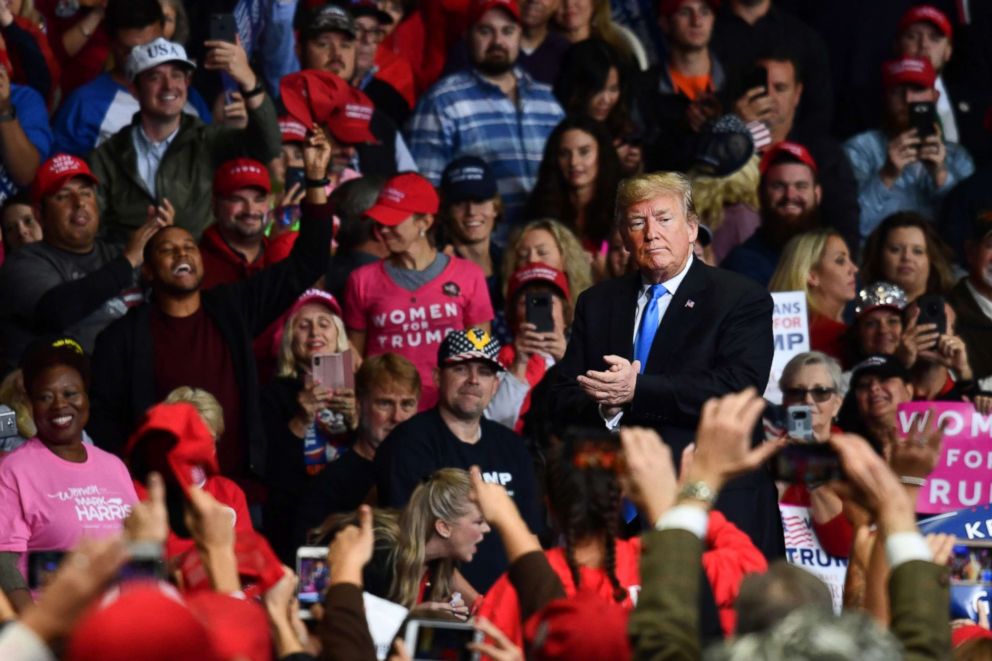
{"x": 410, "y": 301}
{"x": 55, "y": 489}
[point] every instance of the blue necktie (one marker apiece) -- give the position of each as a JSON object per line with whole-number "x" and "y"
{"x": 649, "y": 325}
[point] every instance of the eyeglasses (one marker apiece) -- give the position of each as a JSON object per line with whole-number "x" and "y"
{"x": 375, "y": 35}
{"x": 819, "y": 394}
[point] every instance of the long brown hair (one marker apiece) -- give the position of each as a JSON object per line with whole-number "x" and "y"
{"x": 940, "y": 279}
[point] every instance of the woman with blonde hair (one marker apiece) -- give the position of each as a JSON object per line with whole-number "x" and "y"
{"x": 440, "y": 527}
{"x": 728, "y": 205}
{"x": 582, "y": 19}
{"x": 819, "y": 264}
{"x": 548, "y": 241}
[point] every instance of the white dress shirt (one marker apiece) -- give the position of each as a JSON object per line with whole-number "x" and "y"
{"x": 945, "y": 112}
{"x": 672, "y": 285}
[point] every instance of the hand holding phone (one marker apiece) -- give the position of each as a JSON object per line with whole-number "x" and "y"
{"x": 428, "y": 639}
{"x": 333, "y": 370}
{"x": 538, "y": 311}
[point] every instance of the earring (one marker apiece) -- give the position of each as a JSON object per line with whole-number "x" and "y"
{"x": 423, "y": 233}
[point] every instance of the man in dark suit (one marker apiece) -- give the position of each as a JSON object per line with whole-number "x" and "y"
{"x": 650, "y": 348}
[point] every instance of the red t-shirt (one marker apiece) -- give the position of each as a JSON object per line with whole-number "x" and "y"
{"x": 190, "y": 351}
{"x": 413, "y": 323}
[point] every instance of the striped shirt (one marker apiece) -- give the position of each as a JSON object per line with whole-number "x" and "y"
{"x": 465, "y": 114}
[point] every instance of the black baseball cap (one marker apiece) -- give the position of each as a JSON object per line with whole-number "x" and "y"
{"x": 329, "y": 18}
{"x": 468, "y": 178}
{"x": 880, "y": 365}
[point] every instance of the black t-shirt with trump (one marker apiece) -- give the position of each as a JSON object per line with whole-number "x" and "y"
{"x": 424, "y": 444}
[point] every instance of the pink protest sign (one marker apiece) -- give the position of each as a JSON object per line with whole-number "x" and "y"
{"x": 963, "y": 477}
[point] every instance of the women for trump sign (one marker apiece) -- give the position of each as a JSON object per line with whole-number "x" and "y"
{"x": 963, "y": 476}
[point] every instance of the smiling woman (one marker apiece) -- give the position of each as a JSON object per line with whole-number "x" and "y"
{"x": 55, "y": 487}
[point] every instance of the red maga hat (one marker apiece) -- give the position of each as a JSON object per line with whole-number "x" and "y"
{"x": 310, "y": 95}
{"x": 583, "y": 626}
{"x": 537, "y": 272}
{"x": 480, "y": 7}
{"x": 349, "y": 122}
{"x": 402, "y": 196}
{"x": 241, "y": 173}
{"x": 915, "y": 71}
{"x": 291, "y": 129}
{"x": 56, "y": 171}
{"x": 927, "y": 14}
{"x": 786, "y": 151}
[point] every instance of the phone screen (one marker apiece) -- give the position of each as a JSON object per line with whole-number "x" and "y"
{"x": 314, "y": 572}
{"x": 437, "y": 641}
{"x": 806, "y": 463}
{"x": 42, "y": 565}
{"x": 971, "y": 580}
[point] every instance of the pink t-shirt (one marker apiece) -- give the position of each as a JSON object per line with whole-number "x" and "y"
{"x": 48, "y": 503}
{"x": 413, "y": 323}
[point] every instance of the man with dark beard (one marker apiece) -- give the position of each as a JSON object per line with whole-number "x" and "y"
{"x": 494, "y": 110}
{"x": 790, "y": 204}
{"x": 235, "y": 246}
{"x": 186, "y": 336}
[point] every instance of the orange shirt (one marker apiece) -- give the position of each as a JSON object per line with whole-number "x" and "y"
{"x": 691, "y": 86}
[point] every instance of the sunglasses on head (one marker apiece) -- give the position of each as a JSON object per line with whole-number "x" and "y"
{"x": 819, "y": 394}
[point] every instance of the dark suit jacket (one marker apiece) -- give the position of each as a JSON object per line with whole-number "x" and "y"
{"x": 715, "y": 338}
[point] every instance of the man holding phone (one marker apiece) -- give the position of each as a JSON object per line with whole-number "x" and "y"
{"x": 906, "y": 165}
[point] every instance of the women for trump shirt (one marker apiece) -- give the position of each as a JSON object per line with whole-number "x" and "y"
{"x": 413, "y": 322}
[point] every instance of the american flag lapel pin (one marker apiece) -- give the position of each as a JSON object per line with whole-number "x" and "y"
{"x": 690, "y": 304}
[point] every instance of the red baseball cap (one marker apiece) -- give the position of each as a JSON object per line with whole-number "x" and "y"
{"x": 291, "y": 129}
{"x": 537, "y": 272}
{"x": 480, "y": 7}
{"x": 927, "y": 14}
{"x": 56, "y": 171}
{"x": 310, "y": 95}
{"x": 147, "y": 621}
{"x": 349, "y": 121}
{"x": 584, "y": 626}
{"x": 669, "y": 7}
{"x": 241, "y": 173}
{"x": 961, "y": 635}
{"x": 402, "y": 196}
{"x": 239, "y": 628}
{"x": 312, "y": 295}
{"x": 786, "y": 151}
{"x": 915, "y": 71}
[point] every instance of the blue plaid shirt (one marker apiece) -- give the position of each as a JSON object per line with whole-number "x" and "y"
{"x": 465, "y": 114}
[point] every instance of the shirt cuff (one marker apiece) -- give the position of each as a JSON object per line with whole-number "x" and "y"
{"x": 20, "y": 642}
{"x": 611, "y": 423}
{"x": 685, "y": 517}
{"x": 903, "y": 547}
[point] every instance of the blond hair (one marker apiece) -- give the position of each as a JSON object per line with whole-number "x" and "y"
{"x": 13, "y": 394}
{"x": 577, "y": 268}
{"x": 712, "y": 195}
{"x": 648, "y": 186}
{"x": 800, "y": 255}
{"x": 210, "y": 410}
{"x": 444, "y": 496}
{"x": 286, "y": 362}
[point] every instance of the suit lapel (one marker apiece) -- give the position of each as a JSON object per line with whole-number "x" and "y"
{"x": 622, "y": 317}
{"x": 673, "y": 333}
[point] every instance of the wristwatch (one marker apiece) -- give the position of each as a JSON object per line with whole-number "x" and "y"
{"x": 8, "y": 115}
{"x": 699, "y": 491}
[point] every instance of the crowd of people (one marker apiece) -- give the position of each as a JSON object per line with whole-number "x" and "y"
{"x": 476, "y": 296}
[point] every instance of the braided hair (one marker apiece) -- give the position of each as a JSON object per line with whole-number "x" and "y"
{"x": 584, "y": 496}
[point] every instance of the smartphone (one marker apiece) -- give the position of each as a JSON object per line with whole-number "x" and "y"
{"x": 442, "y": 640}
{"x": 333, "y": 370}
{"x": 923, "y": 118}
{"x": 42, "y": 565}
{"x": 932, "y": 311}
{"x": 539, "y": 311}
{"x": 294, "y": 176}
{"x": 799, "y": 423}
{"x": 806, "y": 463}
{"x": 223, "y": 28}
{"x": 313, "y": 572}
{"x": 147, "y": 563}
{"x": 970, "y": 567}
{"x": 756, "y": 77}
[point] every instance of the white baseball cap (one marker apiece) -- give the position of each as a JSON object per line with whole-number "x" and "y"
{"x": 150, "y": 55}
